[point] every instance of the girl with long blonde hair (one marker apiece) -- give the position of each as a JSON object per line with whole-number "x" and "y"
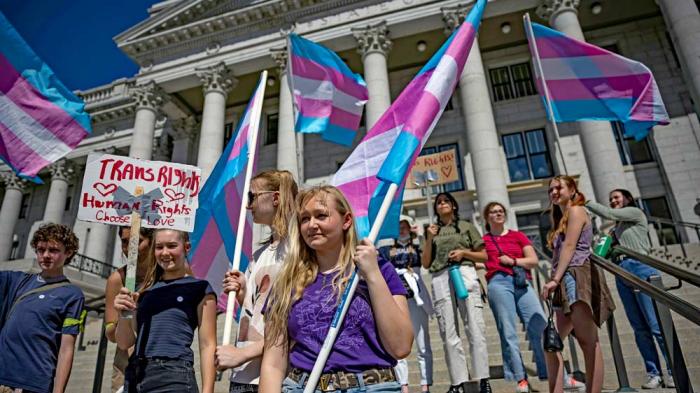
{"x": 168, "y": 309}
{"x": 271, "y": 201}
{"x": 581, "y": 295}
{"x": 323, "y": 252}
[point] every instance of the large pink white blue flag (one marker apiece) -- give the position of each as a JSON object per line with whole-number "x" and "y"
{"x": 389, "y": 150}
{"x": 586, "y": 82}
{"x": 40, "y": 119}
{"x": 328, "y": 96}
{"x": 215, "y": 228}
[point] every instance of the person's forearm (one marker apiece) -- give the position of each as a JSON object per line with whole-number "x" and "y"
{"x": 63, "y": 369}
{"x": 125, "y": 335}
{"x": 207, "y": 352}
{"x": 567, "y": 252}
{"x": 475, "y": 256}
{"x": 427, "y": 253}
{"x": 528, "y": 262}
{"x": 273, "y": 368}
{"x": 393, "y": 322}
{"x": 240, "y": 296}
{"x": 627, "y": 214}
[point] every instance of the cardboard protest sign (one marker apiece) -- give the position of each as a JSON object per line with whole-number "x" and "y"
{"x": 169, "y": 198}
{"x": 443, "y": 163}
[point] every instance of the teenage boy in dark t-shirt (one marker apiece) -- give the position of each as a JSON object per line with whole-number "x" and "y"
{"x": 40, "y": 316}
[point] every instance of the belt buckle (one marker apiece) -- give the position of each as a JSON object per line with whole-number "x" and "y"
{"x": 326, "y": 383}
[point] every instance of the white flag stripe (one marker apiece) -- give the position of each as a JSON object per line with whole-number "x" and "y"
{"x": 325, "y": 90}
{"x": 583, "y": 67}
{"x": 367, "y": 157}
{"x": 31, "y": 132}
{"x": 437, "y": 85}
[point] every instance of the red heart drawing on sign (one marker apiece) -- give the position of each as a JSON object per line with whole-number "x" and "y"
{"x": 104, "y": 189}
{"x": 173, "y": 195}
{"x": 446, "y": 171}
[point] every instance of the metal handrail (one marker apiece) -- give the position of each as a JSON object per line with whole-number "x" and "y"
{"x": 672, "y": 222}
{"x": 685, "y": 309}
{"x": 681, "y": 274}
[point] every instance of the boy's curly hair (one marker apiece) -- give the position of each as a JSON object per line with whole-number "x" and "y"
{"x": 59, "y": 233}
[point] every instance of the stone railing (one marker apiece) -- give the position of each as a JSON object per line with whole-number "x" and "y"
{"x": 107, "y": 94}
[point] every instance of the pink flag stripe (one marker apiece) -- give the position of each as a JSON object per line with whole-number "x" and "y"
{"x": 465, "y": 34}
{"x": 19, "y": 152}
{"x": 321, "y": 109}
{"x": 240, "y": 142}
{"x": 630, "y": 87}
{"x": 311, "y": 70}
{"x": 355, "y": 192}
{"x": 609, "y": 65}
{"x": 560, "y": 47}
{"x": 207, "y": 250}
{"x": 46, "y": 113}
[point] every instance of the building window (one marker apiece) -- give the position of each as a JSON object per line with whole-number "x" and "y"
{"x": 24, "y": 209}
{"x": 228, "y": 133}
{"x": 272, "y": 126}
{"x": 527, "y": 154}
{"x": 535, "y": 226}
{"x": 512, "y": 81}
{"x": 449, "y": 187}
{"x": 631, "y": 151}
{"x": 658, "y": 207}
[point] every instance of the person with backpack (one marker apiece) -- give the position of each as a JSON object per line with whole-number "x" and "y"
{"x": 40, "y": 317}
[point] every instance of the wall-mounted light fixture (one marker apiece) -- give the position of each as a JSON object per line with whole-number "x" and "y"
{"x": 421, "y": 46}
{"x": 271, "y": 80}
{"x": 596, "y": 8}
{"x": 506, "y": 27}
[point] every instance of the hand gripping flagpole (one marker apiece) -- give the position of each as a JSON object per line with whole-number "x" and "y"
{"x": 548, "y": 101}
{"x": 255, "y": 114}
{"x": 347, "y": 297}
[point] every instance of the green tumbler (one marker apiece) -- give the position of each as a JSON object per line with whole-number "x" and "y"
{"x": 602, "y": 246}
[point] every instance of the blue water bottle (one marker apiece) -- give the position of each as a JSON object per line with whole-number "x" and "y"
{"x": 458, "y": 283}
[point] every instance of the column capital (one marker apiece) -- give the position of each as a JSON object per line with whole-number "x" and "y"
{"x": 549, "y": 9}
{"x": 218, "y": 78}
{"x": 148, "y": 96}
{"x": 184, "y": 128}
{"x": 62, "y": 170}
{"x": 373, "y": 38}
{"x": 12, "y": 181}
{"x": 453, "y": 16}
{"x": 279, "y": 55}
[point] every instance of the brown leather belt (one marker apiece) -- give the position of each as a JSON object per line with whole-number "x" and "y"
{"x": 341, "y": 380}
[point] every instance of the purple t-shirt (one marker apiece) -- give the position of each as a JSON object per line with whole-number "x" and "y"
{"x": 357, "y": 347}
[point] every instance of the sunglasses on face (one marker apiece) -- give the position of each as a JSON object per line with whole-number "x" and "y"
{"x": 252, "y": 195}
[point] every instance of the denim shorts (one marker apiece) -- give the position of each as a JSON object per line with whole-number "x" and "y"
{"x": 158, "y": 375}
{"x": 236, "y": 387}
{"x": 569, "y": 285}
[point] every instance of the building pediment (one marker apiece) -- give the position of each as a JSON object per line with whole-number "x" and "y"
{"x": 190, "y": 26}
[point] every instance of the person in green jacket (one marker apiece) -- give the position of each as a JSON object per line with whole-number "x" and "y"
{"x": 631, "y": 231}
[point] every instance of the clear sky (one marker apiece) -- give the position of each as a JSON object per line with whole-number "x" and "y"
{"x": 74, "y": 37}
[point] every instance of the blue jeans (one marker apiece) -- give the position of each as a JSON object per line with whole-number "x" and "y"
{"x": 642, "y": 316}
{"x": 289, "y": 386}
{"x": 160, "y": 376}
{"x": 506, "y": 301}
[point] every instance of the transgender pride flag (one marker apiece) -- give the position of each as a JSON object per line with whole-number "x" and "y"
{"x": 222, "y": 201}
{"x": 328, "y": 96}
{"x": 388, "y": 151}
{"x": 585, "y": 82}
{"x": 40, "y": 119}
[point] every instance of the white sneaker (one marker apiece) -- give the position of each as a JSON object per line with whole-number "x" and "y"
{"x": 668, "y": 382}
{"x": 571, "y": 383}
{"x": 653, "y": 382}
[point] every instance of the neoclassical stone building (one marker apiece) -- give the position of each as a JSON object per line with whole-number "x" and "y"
{"x": 199, "y": 61}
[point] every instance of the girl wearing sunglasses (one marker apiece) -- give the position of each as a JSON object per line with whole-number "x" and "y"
{"x": 271, "y": 201}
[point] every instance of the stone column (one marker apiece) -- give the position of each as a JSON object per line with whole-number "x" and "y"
{"x": 9, "y": 212}
{"x": 149, "y": 97}
{"x": 683, "y": 22}
{"x": 62, "y": 172}
{"x": 217, "y": 82}
{"x": 374, "y": 46}
{"x": 183, "y": 132}
{"x": 289, "y": 146}
{"x": 599, "y": 147}
{"x": 482, "y": 137}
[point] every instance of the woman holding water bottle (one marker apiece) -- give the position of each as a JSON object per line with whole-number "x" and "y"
{"x": 452, "y": 247}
